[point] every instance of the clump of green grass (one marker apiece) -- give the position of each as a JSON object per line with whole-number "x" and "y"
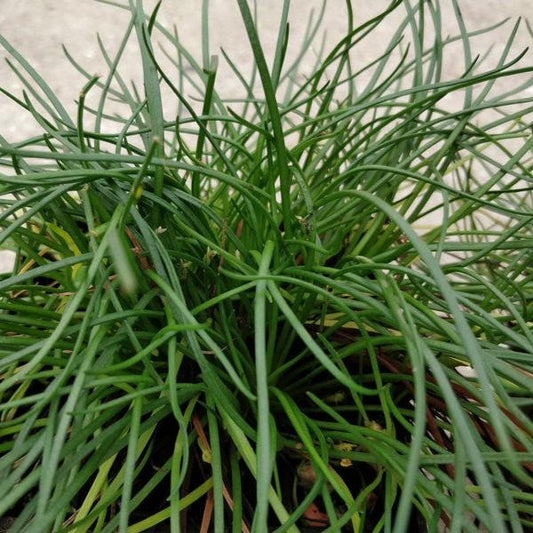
{"x": 317, "y": 294}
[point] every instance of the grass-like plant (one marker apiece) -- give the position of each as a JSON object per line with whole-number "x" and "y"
{"x": 306, "y": 306}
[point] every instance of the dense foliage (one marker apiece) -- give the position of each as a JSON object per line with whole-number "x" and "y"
{"x": 308, "y": 306}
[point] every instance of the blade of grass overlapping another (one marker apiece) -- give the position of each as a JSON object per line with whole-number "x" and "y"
{"x": 309, "y": 303}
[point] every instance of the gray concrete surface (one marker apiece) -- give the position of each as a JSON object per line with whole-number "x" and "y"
{"x": 37, "y": 28}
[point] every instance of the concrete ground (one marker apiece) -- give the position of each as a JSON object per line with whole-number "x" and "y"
{"x": 37, "y": 28}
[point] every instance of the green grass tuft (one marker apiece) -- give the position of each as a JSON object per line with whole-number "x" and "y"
{"x": 317, "y": 294}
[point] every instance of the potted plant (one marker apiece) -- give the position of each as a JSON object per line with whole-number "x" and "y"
{"x": 304, "y": 307}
